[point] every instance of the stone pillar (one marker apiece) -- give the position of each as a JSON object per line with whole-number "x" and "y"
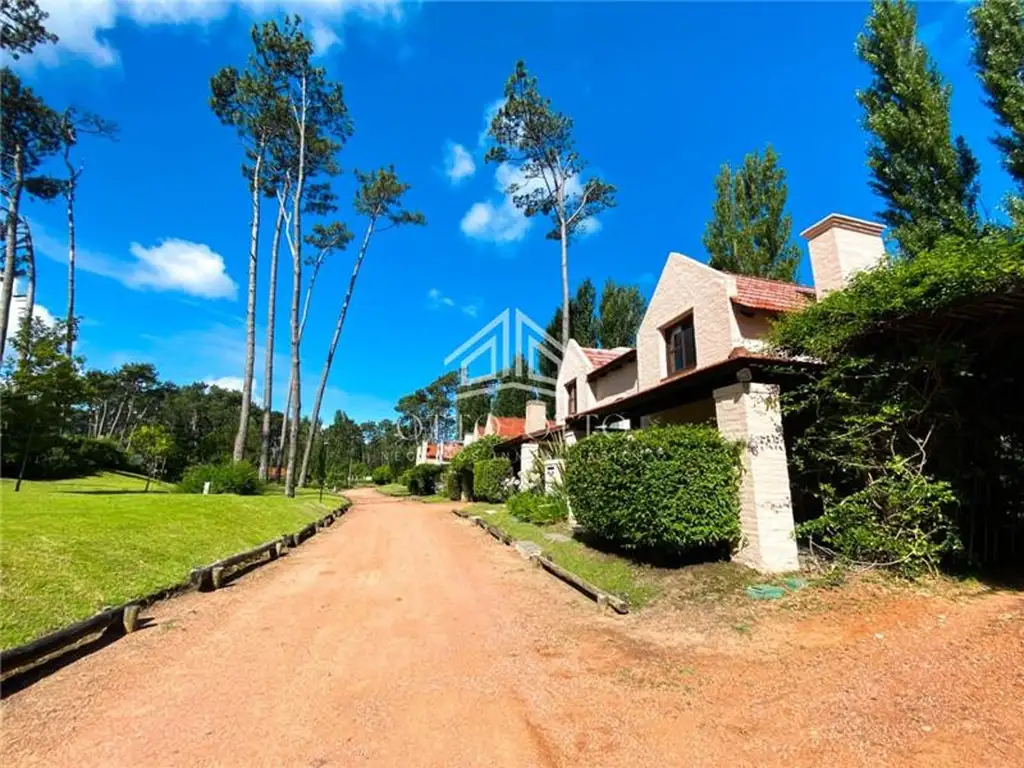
{"x": 749, "y": 412}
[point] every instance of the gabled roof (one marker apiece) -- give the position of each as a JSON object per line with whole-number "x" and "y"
{"x": 598, "y": 357}
{"x": 770, "y": 295}
{"x": 627, "y": 356}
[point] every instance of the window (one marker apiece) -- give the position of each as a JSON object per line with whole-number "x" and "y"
{"x": 680, "y": 345}
{"x": 570, "y": 390}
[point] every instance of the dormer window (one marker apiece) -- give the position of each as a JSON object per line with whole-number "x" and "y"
{"x": 680, "y": 346}
{"x": 570, "y": 391}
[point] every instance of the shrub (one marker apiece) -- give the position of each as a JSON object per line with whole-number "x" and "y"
{"x": 462, "y": 463}
{"x": 405, "y": 478}
{"x": 672, "y": 489}
{"x": 490, "y": 478}
{"x": 536, "y": 508}
{"x": 452, "y": 486}
{"x": 906, "y": 439}
{"x": 382, "y": 475}
{"x": 423, "y": 479}
{"x": 239, "y": 478}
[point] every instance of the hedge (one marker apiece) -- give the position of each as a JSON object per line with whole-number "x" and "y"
{"x": 423, "y": 479}
{"x": 239, "y": 478}
{"x": 490, "y": 478}
{"x": 462, "y": 463}
{"x": 382, "y": 475}
{"x": 672, "y": 489}
{"x": 452, "y": 487}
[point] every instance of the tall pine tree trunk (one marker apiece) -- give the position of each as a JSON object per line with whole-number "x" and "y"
{"x": 313, "y": 419}
{"x": 268, "y": 366}
{"x": 250, "y": 313}
{"x": 296, "y": 409}
{"x": 69, "y": 193}
{"x": 11, "y": 246}
{"x": 288, "y": 404}
{"x": 565, "y": 283}
{"x": 30, "y": 294}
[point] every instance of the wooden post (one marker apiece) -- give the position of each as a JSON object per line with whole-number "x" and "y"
{"x": 217, "y": 577}
{"x": 130, "y": 617}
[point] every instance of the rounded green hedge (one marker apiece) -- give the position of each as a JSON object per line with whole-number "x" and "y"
{"x": 238, "y": 477}
{"x": 422, "y": 479}
{"x": 673, "y": 488}
{"x": 382, "y": 475}
{"x": 490, "y": 478}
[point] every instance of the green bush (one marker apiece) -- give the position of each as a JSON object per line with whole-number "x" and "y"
{"x": 405, "y": 478}
{"x": 536, "y": 508}
{"x": 672, "y": 489}
{"x": 462, "y": 463}
{"x": 383, "y": 475}
{"x": 490, "y": 479}
{"x": 904, "y": 437}
{"x": 239, "y": 478}
{"x": 452, "y": 486}
{"x": 423, "y": 479}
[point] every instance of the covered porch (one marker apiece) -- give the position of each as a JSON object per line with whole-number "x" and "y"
{"x": 740, "y": 396}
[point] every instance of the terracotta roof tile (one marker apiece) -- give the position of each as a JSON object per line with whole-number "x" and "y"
{"x": 771, "y": 295}
{"x": 509, "y": 426}
{"x": 599, "y": 357}
{"x": 448, "y": 450}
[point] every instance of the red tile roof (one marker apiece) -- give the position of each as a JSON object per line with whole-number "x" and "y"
{"x": 771, "y": 295}
{"x": 448, "y": 450}
{"x": 509, "y": 426}
{"x": 599, "y": 357}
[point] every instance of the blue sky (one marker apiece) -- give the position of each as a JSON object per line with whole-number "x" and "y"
{"x": 662, "y": 94}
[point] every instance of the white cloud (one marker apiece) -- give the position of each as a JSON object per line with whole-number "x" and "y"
{"x": 83, "y": 25}
{"x": 232, "y": 383}
{"x": 504, "y": 222}
{"x": 438, "y": 300}
{"x": 18, "y": 308}
{"x": 180, "y": 265}
{"x": 174, "y": 265}
{"x": 458, "y": 163}
{"x": 324, "y": 38}
{"x": 489, "y": 112}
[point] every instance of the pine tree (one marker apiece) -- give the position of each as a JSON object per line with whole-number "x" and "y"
{"x": 749, "y": 232}
{"x": 532, "y": 136}
{"x": 927, "y": 178}
{"x": 999, "y": 57}
{"x": 622, "y": 310}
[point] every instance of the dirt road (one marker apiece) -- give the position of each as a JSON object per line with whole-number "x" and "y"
{"x": 405, "y": 637}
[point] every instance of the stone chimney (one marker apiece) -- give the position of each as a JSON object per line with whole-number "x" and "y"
{"x": 536, "y": 416}
{"x": 841, "y": 246}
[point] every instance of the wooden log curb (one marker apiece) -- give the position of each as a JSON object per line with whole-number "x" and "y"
{"x": 124, "y": 619}
{"x": 598, "y": 595}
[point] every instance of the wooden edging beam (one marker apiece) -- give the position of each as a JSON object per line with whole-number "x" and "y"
{"x": 617, "y": 604}
{"x": 126, "y": 617}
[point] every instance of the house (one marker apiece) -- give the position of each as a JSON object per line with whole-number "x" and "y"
{"x": 700, "y": 358}
{"x": 436, "y": 453}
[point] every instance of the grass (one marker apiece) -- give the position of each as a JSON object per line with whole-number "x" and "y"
{"x": 393, "y": 489}
{"x": 72, "y": 547}
{"x": 609, "y": 572}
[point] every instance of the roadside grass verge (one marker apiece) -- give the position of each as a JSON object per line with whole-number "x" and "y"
{"x": 393, "y": 489}
{"x": 609, "y": 572}
{"x": 73, "y": 547}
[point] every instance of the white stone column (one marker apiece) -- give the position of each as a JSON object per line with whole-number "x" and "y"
{"x": 527, "y": 469}
{"x": 749, "y": 412}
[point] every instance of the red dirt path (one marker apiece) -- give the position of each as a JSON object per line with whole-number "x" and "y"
{"x": 406, "y": 637}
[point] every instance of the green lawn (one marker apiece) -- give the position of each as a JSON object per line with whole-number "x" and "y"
{"x": 68, "y": 548}
{"x": 612, "y": 574}
{"x": 393, "y": 489}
